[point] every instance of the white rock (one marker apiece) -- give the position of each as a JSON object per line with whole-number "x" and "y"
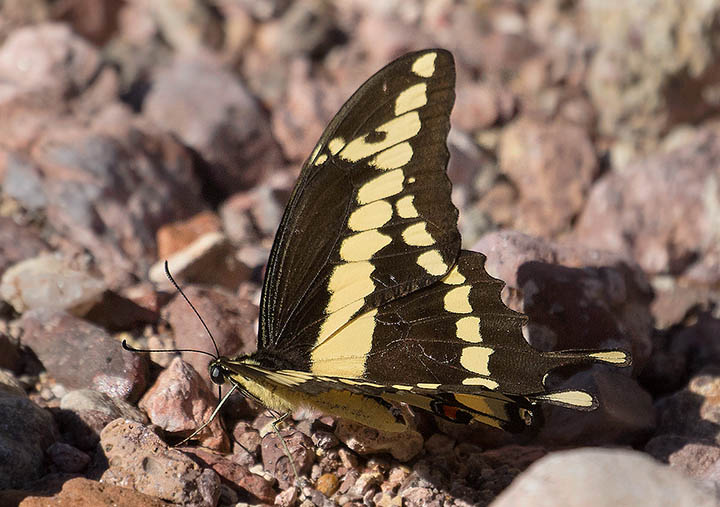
{"x": 47, "y": 281}
{"x": 603, "y": 478}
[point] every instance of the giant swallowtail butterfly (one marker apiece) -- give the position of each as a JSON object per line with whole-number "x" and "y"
{"x": 368, "y": 299}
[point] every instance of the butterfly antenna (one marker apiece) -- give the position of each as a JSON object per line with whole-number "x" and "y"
{"x": 133, "y": 349}
{"x": 175, "y": 284}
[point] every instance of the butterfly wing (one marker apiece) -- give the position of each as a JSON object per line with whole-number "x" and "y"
{"x": 370, "y": 218}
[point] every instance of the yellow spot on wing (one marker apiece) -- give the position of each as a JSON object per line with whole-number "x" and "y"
{"x": 321, "y": 159}
{"x": 394, "y": 157}
{"x": 344, "y": 353}
{"x": 457, "y": 300}
{"x": 579, "y": 399}
{"x": 336, "y": 144}
{"x": 348, "y": 283}
{"x": 337, "y": 319}
{"x": 425, "y": 65}
{"x": 610, "y": 356}
{"x": 371, "y": 216}
{"x": 363, "y": 245}
{"x": 405, "y": 207}
{"x": 411, "y": 98}
{"x": 314, "y": 153}
{"x": 401, "y": 387}
{"x": 417, "y": 235}
{"x": 454, "y": 277}
{"x": 432, "y": 262}
{"x": 468, "y": 329}
{"x": 480, "y": 381}
{"x": 424, "y": 385}
{"x": 382, "y": 186}
{"x": 397, "y": 130}
{"x": 476, "y": 359}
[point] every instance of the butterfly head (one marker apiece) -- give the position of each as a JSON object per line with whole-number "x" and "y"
{"x": 216, "y": 372}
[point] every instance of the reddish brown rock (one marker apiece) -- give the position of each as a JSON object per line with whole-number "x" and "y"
{"x": 81, "y": 491}
{"x": 365, "y": 440}
{"x": 553, "y": 167}
{"x": 276, "y": 462}
{"x": 212, "y": 112}
{"x": 138, "y": 458}
{"x": 27, "y": 67}
{"x": 565, "y": 287}
{"x": 175, "y": 236}
{"x": 236, "y": 476}
{"x": 180, "y": 402}
{"x": 662, "y": 211}
{"x": 477, "y": 106}
{"x": 17, "y": 243}
{"x": 114, "y": 213}
{"x": 84, "y": 413}
{"x": 229, "y": 318}
{"x": 209, "y": 259}
{"x": 79, "y": 355}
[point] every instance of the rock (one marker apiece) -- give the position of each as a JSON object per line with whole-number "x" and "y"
{"x": 22, "y": 182}
{"x": 49, "y": 281}
{"x": 578, "y": 282}
{"x": 117, "y": 312}
{"x": 622, "y": 212}
{"x": 87, "y": 399}
{"x": 276, "y": 462}
{"x": 79, "y": 355}
{"x": 95, "y": 21}
{"x": 327, "y": 484}
{"x": 180, "y": 402}
{"x": 477, "y": 106}
{"x": 28, "y": 431}
{"x": 287, "y": 498}
{"x": 209, "y": 259}
{"x": 699, "y": 460}
{"x": 17, "y": 243}
{"x": 81, "y": 491}
{"x": 27, "y": 67}
{"x": 298, "y": 120}
{"x": 10, "y": 358}
{"x": 599, "y": 477}
{"x": 643, "y": 89}
{"x": 540, "y": 159}
{"x": 178, "y": 235}
{"x": 84, "y": 413}
{"x": 693, "y": 412}
{"x": 236, "y": 476}
{"x": 230, "y": 319}
{"x": 188, "y": 26}
{"x": 208, "y": 109}
{"x": 625, "y": 413}
{"x": 362, "y": 439}
{"x": 67, "y": 458}
{"x": 138, "y": 458}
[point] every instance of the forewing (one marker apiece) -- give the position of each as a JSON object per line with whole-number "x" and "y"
{"x": 370, "y": 218}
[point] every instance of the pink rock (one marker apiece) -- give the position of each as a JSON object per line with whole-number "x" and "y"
{"x": 180, "y": 402}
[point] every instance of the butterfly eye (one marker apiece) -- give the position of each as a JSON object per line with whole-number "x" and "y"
{"x": 216, "y": 375}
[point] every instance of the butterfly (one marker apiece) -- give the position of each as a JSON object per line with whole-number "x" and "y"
{"x": 368, "y": 300}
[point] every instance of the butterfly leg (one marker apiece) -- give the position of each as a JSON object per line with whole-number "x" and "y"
{"x": 212, "y": 416}
{"x": 279, "y": 420}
